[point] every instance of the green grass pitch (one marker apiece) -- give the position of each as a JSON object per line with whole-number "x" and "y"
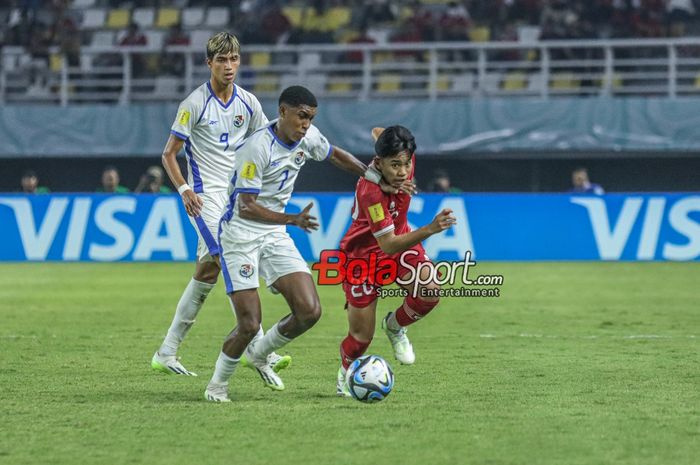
{"x": 588, "y": 363}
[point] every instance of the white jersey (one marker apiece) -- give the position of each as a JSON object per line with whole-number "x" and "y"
{"x": 268, "y": 167}
{"x": 211, "y": 130}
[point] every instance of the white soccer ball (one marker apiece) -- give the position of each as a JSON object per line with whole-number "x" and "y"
{"x": 370, "y": 379}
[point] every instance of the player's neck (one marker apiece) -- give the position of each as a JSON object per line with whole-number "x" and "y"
{"x": 280, "y": 135}
{"x": 223, "y": 93}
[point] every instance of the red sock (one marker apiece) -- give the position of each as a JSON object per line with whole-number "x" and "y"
{"x": 413, "y": 309}
{"x": 350, "y": 349}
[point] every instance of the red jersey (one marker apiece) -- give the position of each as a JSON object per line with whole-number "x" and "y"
{"x": 375, "y": 213}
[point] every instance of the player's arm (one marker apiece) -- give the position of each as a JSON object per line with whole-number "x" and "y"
{"x": 391, "y": 244}
{"x": 347, "y": 162}
{"x": 250, "y": 209}
{"x": 192, "y": 202}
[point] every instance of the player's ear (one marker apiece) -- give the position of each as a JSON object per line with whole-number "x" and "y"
{"x": 377, "y": 163}
{"x": 283, "y": 110}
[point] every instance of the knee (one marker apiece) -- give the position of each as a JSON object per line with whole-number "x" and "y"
{"x": 207, "y": 273}
{"x": 310, "y": 313}
{"x": 248, "y": 327}
{"x": 431, "y": 295}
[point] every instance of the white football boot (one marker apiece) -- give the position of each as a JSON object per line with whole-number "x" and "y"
{"x": 341, "y": 384}
{"x": 403, "y": 350}
{"x": 169, "y": 364}
{"x": 216, "y": 392}
{"x": 263, "y": 368}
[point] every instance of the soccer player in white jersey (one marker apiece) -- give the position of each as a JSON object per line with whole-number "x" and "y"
{"x": 210, "y": 122}
{"x": 254, "y": 242}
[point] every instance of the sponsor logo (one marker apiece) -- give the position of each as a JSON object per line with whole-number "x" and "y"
{"x": 246, "y": 271}
{"x": 212, "y": 122}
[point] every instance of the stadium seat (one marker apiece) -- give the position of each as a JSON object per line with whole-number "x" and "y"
{"x": 259, "y": 60}
{"x": 266, "y": 84}
{"x": 93, "y": 18}
{"x": 192, "y": 17}
{"x": 463, "y": 83}
{"x": 564, "y": 81}
{"x": 102, "y": 39}
{"x": 337, "y": 18}
{"x": 443, "y": 83}
{"x": 10, "y": 56}
{"x": 144, "y": 17}
{"x": 167, "y": 17}
{"x": 339, "y": 85}
{"x": 480, "y": 34}
{"x": 217, "y": 17}
{"x": 155, "y": 39}
{"x": 55, "y": 62}
{"x": 14, "y": 18}
{"x": 118, "y": 19}
{"x": 535, "y": 82}
{"x": 199, "y": 38}
{"x": 310, "y": 60}
{"x": 316, "y": 82}
{"x": 491, "y": 83}
{"x": 515, "y": 80}
{"x": 528, "y": 34}
{"x": 293, "y": 14}
{"x": 82, "y": 3}
{"x": 388, "y": 82}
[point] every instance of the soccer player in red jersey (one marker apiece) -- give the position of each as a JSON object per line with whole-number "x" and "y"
{"x": 380, "y": 226}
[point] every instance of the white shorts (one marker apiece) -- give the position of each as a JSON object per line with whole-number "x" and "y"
{"x": 246, "y": 256}
{"x": 207, "y": 224}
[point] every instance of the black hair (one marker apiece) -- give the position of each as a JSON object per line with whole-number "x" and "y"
{"x": 394, "y": 140}
{"x": 29, "y": 174}
{"x": 297, "y": 95}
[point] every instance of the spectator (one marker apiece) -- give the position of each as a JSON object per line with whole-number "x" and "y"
{"x": 275, "y": 27}
{"x": 134, "y": 37}
{"x": 151, "y": 182}
{"x": 110, "y": 182}
{"x": 356, "y": 56}
{"x": 441, "y": 183}
{"x": 583, "y": 185}
{"x": 174, "y": 63}
{"x": 30, "y": 184}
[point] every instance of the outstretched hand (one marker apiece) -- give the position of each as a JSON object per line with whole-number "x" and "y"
{"x": 305, "y": 221}
{"x": 442, "y": 221}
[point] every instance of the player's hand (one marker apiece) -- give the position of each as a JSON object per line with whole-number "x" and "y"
{"x": 444, "y": 220}
{"x": 305, "y": 221}
{"x": 387, "y": 188}
{"x": 193, "y": 204}
{"x": 408, "y": 187}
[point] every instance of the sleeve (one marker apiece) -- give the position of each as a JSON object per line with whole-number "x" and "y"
{"x": 185, "y": 120}
{"x": 258, "y": 118}
{"x": 250, "y": 162}
{"x": 374, "y": 204}
{"x": 319, "y": 147}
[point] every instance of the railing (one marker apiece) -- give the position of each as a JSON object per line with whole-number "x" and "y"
{"x": 667, "y": 67}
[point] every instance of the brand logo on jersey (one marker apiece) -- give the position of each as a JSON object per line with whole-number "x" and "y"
{"x": 238, "y": 121}
{"x": 376, "y": 212}
{"x": 248, "y": 171}
{"x": 246, "y": 271}
{"x": 212, "y": 122}
{"x": 183, "y": 117}
{"x": 299, "y": 158}
{"x": 275, "y": 163}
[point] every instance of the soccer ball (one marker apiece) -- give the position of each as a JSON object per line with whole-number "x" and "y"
{"x": 370, "y": 379}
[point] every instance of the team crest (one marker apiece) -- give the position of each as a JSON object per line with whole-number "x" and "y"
{"x": 246, "y": 271}
{"x": 238, "y": 121}
{"x": 299, "y": 158}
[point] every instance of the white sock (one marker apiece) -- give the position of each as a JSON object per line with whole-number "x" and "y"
{"x": 225, "y": 366}
{"x": 392, "y": 324}
{"x": 270, "y": 342}
{"x": 187, "y": 309}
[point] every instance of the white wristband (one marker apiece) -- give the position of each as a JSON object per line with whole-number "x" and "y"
{"x": 372, "y": 175}
{"x": 185, "y": 187}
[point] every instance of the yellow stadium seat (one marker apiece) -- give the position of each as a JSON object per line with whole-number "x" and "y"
{"x": 564, "y": 81}
{"x": 443, "y": 82}
{"x": 515, "y": 80}
{"x": 382, "y": 57}
{"x": 55, "y": 62}
{"x": 337, "y": 18}
{"x": 259, "y": 60}
{"x": 167, "y": 17}
{"x": 293, "y": 14}
{"x": 480, "y": 34}
{"x": 697, "y": 81}
{"x": 266, "y": 83}
{"x": 118, "y": 19}
{"x": 389, "y": 82}
{"x": 339, "y": 85}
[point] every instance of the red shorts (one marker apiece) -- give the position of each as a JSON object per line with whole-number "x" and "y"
{"x": 362, "y": 295}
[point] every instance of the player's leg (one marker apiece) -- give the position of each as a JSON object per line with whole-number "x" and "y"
{"x": 411, "y": 310}
{"x": 246, "y": 304}
{"x": 202, "y": 282}
{"x": 361, "y": 323}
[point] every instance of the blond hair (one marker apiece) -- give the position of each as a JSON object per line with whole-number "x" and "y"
{"x": 222, "y": 43}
